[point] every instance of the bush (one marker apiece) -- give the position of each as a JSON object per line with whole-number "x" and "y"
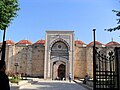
{"x": 15, "y": 79}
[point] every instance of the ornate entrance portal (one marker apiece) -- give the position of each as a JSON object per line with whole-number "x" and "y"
{"x": 58, "y": 54}
{"x": 59, "y": 58}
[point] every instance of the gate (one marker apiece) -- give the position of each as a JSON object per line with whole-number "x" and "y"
{"x": 106, "y": 71}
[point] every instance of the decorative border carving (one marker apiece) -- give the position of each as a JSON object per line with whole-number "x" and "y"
{"x": 59, "y": 39}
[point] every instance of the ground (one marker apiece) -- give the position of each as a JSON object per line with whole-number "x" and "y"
{"x": 52, "y": 85}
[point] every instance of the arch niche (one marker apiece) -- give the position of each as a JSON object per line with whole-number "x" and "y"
{"x": 59, "y": 57}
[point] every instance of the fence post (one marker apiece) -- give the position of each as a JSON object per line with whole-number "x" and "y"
{"x": 94, "y": 63}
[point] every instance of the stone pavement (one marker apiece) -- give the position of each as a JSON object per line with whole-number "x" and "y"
{"x": 40, "y": 84}
{"x": 14, "y": 86}
{"x": 83, "y": 85}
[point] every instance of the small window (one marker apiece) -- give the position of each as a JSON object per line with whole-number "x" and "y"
{"x": 59, "y": 46}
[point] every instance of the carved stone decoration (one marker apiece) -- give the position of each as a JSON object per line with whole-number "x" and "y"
{"x": 59, "y": 49}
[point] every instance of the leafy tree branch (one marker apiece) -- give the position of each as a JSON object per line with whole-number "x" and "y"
{"x": 8, "y": 10}
{"x": 118, "y": 22}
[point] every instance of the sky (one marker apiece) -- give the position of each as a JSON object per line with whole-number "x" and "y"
{"x": 35, "y": 17}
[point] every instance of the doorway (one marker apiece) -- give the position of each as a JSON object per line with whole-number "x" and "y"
{"x": 61, "y": 72}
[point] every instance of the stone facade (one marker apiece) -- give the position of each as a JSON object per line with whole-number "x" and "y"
{"x": 42, "y": 59}
{"x": 80, "y": 61}
{"x": 59, "y": 48}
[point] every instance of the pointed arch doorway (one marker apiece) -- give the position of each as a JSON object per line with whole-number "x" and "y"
{"x": 61, "y": 71}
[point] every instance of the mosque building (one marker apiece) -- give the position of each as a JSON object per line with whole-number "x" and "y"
{"x": 55, "y": 57}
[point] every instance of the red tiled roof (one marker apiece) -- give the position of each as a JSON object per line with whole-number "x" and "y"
{"x": 79, "y": 42}
{"x": 96, "y": 42}
{"x": 9, "y": 42}
{"x": 24, "y": 42}
{"x": 112, "y": 43}
{"x": 40, "y": 42}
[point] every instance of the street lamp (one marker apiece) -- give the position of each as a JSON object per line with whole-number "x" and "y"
{"x": 16, "y": 65}
{"x": 94, "y": 62}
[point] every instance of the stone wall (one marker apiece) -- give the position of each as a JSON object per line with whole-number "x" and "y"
{"x": 79, "y": 62}
{"x": 10, "y": 60}
{"x": 89, "y": 62}
{"x": 21, "y": 59}
{"x": 30, "y": 59}
{"x": 38, "y": 53}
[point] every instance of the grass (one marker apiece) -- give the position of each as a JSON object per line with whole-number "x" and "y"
{"x": 15, "y": 79}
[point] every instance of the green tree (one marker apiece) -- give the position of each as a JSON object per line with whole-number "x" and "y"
{"x": 8, "y": 10}
{"x": 118, "y": 26}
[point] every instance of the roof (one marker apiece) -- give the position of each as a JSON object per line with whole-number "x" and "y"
{"x": 24, "y": 42}
{"x": 40, "y": 42}
{"x": 9, "y": 42}
{"x": 0, "y": 43}
{"x": 96, "y": 42}
{"x": 112, "y": 43}
{"x": 79, "y": 42}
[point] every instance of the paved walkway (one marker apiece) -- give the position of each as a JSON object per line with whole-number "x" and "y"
{"x": 52, "y": 85}
{"x": 83, "y": 85}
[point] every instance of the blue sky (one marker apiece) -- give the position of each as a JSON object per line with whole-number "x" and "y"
{"x": 80, "y": 16}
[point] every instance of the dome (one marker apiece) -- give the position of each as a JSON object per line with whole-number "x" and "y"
{"x": 40, "y": 42}
{"x": 96, "y": 42}
{"x": 112, "y": 43}
{"x": 79, "y": 42}
{"x": 24, "y": 42}
{"x": 9, "y": 42}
